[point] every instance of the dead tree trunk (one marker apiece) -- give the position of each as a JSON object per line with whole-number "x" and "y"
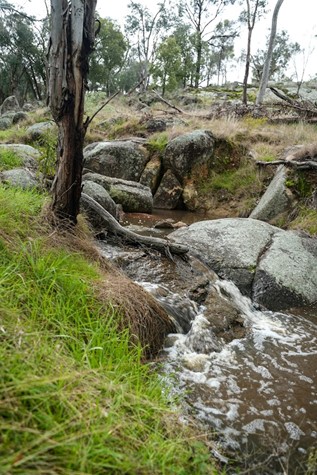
{"x": 71, "y": 42}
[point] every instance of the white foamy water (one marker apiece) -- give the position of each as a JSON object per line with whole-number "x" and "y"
{"x": 260, "y": 389}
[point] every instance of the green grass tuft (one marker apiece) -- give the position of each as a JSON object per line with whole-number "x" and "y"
{"x": 9, "y": 160}
{"x": 74, "y": 395}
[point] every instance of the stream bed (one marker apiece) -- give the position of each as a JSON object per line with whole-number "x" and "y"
{"x": 256, "y": 391}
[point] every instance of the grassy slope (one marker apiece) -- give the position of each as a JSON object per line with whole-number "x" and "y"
{"x": 74, "y": 396}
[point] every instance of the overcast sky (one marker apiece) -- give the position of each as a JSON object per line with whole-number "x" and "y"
{"x": 299, "y": 18}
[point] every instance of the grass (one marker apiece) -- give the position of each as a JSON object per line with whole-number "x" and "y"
{"x": 306, "y": 220}
{"x": 9, "y": 160}
{"x": 243, "y": 180}
{"x": 74, "y": 395}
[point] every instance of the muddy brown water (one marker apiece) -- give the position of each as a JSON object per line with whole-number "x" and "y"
{"x": 256, "y": 394}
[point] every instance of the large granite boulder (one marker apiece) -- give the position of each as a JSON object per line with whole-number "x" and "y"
{"x": 20, "y": 177}
{"x": 190, "y": 155}
{"x": 9, "y": 104}
{"x": 132, "y": 196}
{"x": 115, "y": 159}
{"x": 39, "y": 130}
{"x": 276, "y": 199}
{"x": 276, "y": 268}
{"x": 28, "y": 155}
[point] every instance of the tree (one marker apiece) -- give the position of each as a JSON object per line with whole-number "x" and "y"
{"x": 168, "y": 64}
{"x": 283, "y": 51}
{"x": 71, "y": 43}
{"x": 222, "y": 48}
{"x": 202, "y": 14}
{"x": 254, "y": 10}
{"x": 267, "y": 63}
{"x": 146, "y": 29}
{"x": 22, "y": 56}
{"x": 108, "y": 56}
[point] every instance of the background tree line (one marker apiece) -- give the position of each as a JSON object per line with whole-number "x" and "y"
{"x": 185, "y": 45}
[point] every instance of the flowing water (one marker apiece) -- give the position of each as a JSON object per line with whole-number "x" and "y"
{"x": 258, "y": 392}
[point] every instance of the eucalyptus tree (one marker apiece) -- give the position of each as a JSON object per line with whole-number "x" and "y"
{"x": 71, "y": 42}
{"x": 202, "y": 14}
{"x": 254, "y": 9}
{"x": 269, "y": 54}
{"x": 221, "y": 48}
{"x": 284, "y": 50}
{"x": 144, "y": 30}
{"x": 108, "y": 56}
{"x": 168, "y": 64}
{"x": 22, "y": 55}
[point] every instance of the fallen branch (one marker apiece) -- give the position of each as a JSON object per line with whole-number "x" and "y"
{"x": 168, "y": 103}
{"x": 302, "y": 165}
{"x": 300, "y": 106}
{"x": 114, "y": 227}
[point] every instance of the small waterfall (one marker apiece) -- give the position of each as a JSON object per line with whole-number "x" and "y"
{"x": 257, "y": 392}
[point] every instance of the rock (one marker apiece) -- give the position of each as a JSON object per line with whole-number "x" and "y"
{"x": 29, "y": 155}
{"x": 20, "y": 177}
{"x": 225, "y": 320}
{"x": 19, "y": 117}
{"x": 286, "y": 275}
{"x": 190, "y": 197}
{"x": 277, "y": 198}
{"x": 5, "y": 123}
{"x": 168, "y": 193}
{"x": 9, "y": 104}
{"x": 37, "y": 131}
{"x": 123, "y": 160}
{"x": 99, "y": 194}
{"x": 277, "y": 268}
{"x": 152, "y": 174}
{"x": 165, "y": 224}
{"x": 28, "y": 107}
{"x": 190, "y": 155}
{"x": 133, "y": 196}
{"x": 229, "y": 246}
{"x": 155, "y": 125}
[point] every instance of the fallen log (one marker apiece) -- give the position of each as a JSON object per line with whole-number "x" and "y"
{"x": 112, "y": 225}
{"x": 298, "y": 165}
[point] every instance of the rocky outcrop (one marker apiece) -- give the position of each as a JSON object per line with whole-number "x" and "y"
{"x": 123, "y": 160}
{"x": 277, "y": 198}
{"x": 133, "y": 196}
{"x": 276, "y": 268}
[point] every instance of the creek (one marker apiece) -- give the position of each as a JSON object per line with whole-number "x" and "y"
{"x": 256, "y": 391}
